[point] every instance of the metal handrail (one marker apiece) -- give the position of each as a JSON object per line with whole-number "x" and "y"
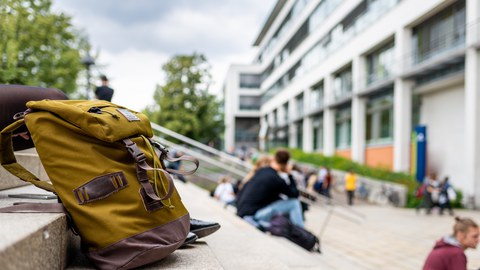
{"x": 201, "y": 146}
{"x": 204, "y": 158}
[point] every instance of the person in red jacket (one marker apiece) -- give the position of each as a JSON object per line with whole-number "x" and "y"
{"x": 448, "y": 252}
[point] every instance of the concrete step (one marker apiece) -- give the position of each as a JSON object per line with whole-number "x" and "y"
{"x": 238, "y": 245}
{"x": 32, "y": 241}
{"x": 43, "y": 241}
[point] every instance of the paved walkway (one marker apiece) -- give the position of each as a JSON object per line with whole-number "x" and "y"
{"x": 363, "y": 236}
{"x": 385, "y": 237}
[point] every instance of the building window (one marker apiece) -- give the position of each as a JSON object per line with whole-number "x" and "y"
{"x": 280, "y": 138}
{"x": 442, "y": 33}
{"x": 380, "y": 64}
{"x": 343, "y": 83}
{"x": 379, "y": 124}
{"x": 299, "y": 106}
{"x": 335, "y": 38}
{"x": 416, "y": 108}
{"x": 450, "y": 70}
{"x": 249, "y": 103}
{"x": 285, "y": 113}
{"x": 343, "y": 128}
{"x": 316, "y": 97}
{"x": 299, "y": 127}
{"x": 250, "y": 80}
{"x": 321, "y": 13}
{"x": 274, "y": 118}
{"x": 318, "y": 133}
{"x": 246, "y": 130}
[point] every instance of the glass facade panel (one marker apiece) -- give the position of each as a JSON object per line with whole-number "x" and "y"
{"x": 275, "y": 118}
{"x": 316, "y": 97}
{"x": 379, "y": 121}
{"x": 342, "y": 84}
{"x": 343, "y": 128}
{"x": 380, "y": 64}
{"x": 246, "y": 130}
{"x": 279, "y": 138}
{"x": 440, "y": 34}
{"x": 299, "y": 106}
{"x": 284, "y": 27}
{"x": 249, "y": 103}
{"x": 318, "y": 133}
{"x": 299, "y": 128}
{"x": 250, "y": 80}
{"x": 285, "y": 113}
{"x": 334, "y": 39}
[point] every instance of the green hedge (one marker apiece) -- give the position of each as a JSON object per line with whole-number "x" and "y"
{"x": 344, "y": 164}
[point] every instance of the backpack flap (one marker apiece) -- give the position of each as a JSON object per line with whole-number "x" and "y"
{"x": 97, "y": 118}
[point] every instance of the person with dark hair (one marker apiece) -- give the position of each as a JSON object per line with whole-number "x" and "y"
{"x": 448, "y": 253}
{"x": 327, "y": 184}
{"x": 261, "y": 198}
{"x": 447, "y": 194}
{"x": 104, "y": 92}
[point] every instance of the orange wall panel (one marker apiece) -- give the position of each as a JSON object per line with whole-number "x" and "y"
{"x": 380, "y": 157}
{"x": 344, "y": 153}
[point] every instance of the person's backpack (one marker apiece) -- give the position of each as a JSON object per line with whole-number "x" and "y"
{"x": 109, "y": 177}
{"x": 318, "y": 186}
{"x": 281, "y": 225}
{"x": 419, "y": 192}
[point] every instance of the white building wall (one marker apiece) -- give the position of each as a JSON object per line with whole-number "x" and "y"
{"x": 232, "y": 92}
{"x": 458, "y": 158}
{"x": 443, "y": 114}
{"x": 472, "y": 99}
{"x": 403, "y": 15}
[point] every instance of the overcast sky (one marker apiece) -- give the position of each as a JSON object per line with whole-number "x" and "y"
{"x": 136, "y": 37}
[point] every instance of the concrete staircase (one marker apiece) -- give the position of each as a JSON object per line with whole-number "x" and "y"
{"x": 43, "y": 241}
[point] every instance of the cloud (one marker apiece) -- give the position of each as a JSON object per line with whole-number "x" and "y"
{"x": 136, "y": 37}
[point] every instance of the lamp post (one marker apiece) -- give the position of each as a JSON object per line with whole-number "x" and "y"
{"x": 88, "y": 61}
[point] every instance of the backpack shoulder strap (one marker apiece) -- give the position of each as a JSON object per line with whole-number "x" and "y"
{"x": 8, "y": 161}
{"x": 34, "y": 208}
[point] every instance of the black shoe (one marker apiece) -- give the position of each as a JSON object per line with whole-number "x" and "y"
{"x": 191, "y": 238}
{"x": 203, "y": 228}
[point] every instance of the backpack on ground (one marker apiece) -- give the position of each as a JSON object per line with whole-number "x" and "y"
{"x": 281, "y": 225}
{"x": 108, "y": 175}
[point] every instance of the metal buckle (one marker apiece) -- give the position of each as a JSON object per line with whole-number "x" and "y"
{"x": 160, "y": 147}
{"x": 136, "y": 153}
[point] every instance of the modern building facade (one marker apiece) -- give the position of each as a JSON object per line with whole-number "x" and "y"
{"x": 354, "y": 77}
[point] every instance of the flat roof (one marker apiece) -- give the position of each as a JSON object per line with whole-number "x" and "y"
{"x": 273, "y": 15}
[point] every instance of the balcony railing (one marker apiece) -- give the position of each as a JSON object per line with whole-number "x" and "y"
{"x": 445, "y": 43}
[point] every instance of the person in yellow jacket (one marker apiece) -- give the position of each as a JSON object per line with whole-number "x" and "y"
{"x": 350, "y": 186}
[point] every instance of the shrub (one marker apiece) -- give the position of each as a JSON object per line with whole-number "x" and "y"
{"x": 344, "y": 164}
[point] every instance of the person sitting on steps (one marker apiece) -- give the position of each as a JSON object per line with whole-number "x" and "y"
{"x": 261, "y": 198}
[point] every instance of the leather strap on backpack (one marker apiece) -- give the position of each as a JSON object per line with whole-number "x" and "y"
{"x": 164, "y": 156}
{"x": 9, "y": 162}
{"x": 34, "y": 208}
{"x": 150, "y": 199}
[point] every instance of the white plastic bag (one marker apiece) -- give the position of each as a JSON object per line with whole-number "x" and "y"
{"x": 452, "y": 195}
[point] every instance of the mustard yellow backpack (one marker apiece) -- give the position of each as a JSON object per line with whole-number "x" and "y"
{"x": 108, "y": 175}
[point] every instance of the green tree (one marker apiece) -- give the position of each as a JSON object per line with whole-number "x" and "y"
{"x": 37, "y": 46}
{"x": 183, "y": 103}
